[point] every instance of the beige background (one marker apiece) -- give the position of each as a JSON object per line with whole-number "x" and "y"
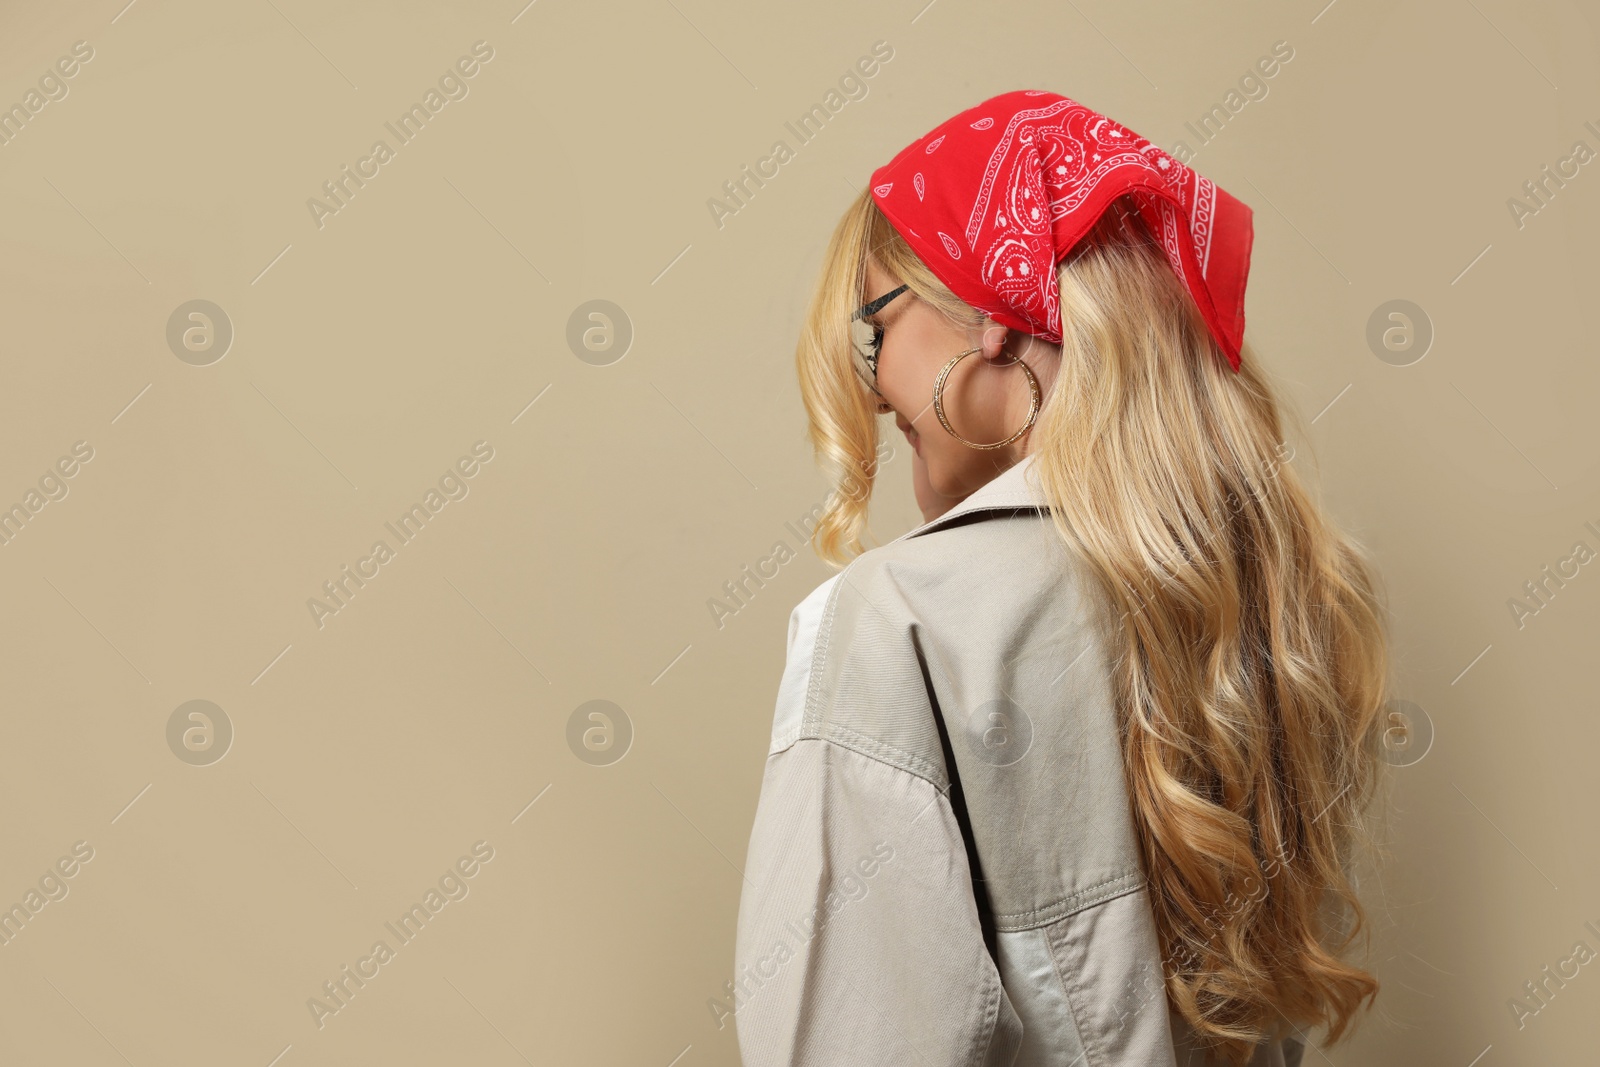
{"x": 369, "y": 754}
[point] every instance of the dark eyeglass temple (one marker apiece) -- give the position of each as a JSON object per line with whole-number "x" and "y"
{"x": 878, "y": 304}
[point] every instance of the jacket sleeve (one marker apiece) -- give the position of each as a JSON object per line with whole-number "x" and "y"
{"x": 858, "y": 935}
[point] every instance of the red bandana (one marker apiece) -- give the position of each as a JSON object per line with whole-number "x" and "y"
{"x": 992, "y": 199}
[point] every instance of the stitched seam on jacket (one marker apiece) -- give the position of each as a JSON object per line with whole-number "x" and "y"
{"x": 1066, "y": 995}
{"x": 1080, "y": 900}
{"x": 873, "y": 749}
{"x": 783, "y": 743}
{"x": 819, "y": 656}
{"x": 991, "y": 1018}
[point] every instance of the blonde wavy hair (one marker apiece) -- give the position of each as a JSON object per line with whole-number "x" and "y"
{"x": 1248, "y": 640}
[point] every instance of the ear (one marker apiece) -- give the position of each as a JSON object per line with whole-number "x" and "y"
{"x": 994, "y": 340}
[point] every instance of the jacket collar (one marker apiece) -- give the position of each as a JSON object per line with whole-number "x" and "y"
{"x": 1015, "y": 487}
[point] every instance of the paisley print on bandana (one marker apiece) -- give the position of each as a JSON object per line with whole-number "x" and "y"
{"x": 1023, "y": 176}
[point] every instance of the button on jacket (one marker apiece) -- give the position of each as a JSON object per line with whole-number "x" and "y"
{"x": 888, "y": 918}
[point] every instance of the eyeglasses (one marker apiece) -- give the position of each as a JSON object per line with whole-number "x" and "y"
{"x": 866, "y": 337}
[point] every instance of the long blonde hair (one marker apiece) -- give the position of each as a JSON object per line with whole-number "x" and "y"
{"x": 1248, "y": 641}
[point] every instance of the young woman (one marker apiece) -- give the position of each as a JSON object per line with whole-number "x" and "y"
{"x": 1074, "y": 772}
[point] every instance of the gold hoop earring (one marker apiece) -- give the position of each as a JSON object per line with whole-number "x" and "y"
{"x": 938, "y": 400}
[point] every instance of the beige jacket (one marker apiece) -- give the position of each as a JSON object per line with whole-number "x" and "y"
{"x": 871, "y": 930}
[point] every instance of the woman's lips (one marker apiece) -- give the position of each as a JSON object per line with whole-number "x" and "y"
{"x": 913, "y": 437}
